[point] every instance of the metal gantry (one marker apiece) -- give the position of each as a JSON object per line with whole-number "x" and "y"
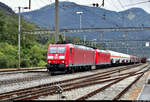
{"x": 83, "y": 30}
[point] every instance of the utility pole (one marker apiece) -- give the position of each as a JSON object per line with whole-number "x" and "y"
{"x": 80, "y": 13}
{"x": 101, "y": 36}
{"x": 19, "y": 30}
{"x": 19, "y": 38}
{"x": 29, "y": 4}
{"x": 56, "y": 22}
{"x": 124, "y": 35}
{"x": 84, "y": 39}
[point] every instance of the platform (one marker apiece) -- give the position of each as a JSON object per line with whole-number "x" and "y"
{"x": 145, "y": 93}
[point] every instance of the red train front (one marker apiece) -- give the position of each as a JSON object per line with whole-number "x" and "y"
{"x": 57, "y": 57}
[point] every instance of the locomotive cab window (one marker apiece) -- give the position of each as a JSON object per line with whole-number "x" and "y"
{"x": 57, "y": 49}
{"x": 61, "y": 49}
{"x": 52, "y": 49}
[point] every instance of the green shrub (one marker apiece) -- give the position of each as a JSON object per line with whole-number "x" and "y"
{"x": 41, "y": 63}
{"x": 3, "y": 62}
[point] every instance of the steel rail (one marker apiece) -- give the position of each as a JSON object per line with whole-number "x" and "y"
{"x": 107, "y": 86}
{"x": 73, "y": 79}
{"x": 127, "y": 88}
{"x": 68, "y": 87}
{"x": 22, "y": 69}
{"x": 54, "y": 83}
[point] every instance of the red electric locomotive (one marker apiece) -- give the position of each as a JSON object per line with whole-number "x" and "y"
{"x": 102, "y": 58}
{"x": 69, "y": 57}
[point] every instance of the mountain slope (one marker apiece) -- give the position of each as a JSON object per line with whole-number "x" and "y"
{"x": 9, "y": 25}
{"x": 92, "y": 17}
{"x": 6, "y": 8}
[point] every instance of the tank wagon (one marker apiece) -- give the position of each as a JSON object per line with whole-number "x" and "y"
{"x": 119, "y": 58}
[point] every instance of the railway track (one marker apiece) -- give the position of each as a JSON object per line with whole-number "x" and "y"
{"x": 118, "y": 96}
{"x": 17, "y": 80}
{"x": 66, "y": 85}
{"x": 15, "y": 71}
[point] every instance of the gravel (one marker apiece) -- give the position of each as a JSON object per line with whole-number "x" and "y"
{"x": 27, "y": 84}
{"x": 49, "y": 79}
{"x": 135, "y": 90}
{"x": 74, "y": 94}
{"x": 113, "y": 90}
{"x": 107, "y": 94}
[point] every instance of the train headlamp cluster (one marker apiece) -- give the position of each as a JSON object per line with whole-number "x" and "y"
{"x": 62, "y": 61}
{"x": 54, "y": 61}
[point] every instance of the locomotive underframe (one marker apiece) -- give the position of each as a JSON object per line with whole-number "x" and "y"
{"x": 56, "y": 67}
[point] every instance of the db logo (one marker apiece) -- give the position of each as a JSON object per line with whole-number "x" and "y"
{"x": 56, "y": 57}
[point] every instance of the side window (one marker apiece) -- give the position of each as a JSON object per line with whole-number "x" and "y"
{"x": 70, "y": 50}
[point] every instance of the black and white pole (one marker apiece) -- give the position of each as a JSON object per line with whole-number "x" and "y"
{"x": 59, "y": 91}
{"x": 80, "y": 13}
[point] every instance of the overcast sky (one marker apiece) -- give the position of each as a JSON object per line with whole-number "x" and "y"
{"x": 114, "y": 5}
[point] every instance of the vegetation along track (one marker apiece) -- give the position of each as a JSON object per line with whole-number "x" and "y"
{"x": 66, "y": 85}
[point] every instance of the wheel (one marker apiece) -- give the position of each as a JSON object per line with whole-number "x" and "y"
{"x": 51, "y": 73}
{"x": 72, "y": 70}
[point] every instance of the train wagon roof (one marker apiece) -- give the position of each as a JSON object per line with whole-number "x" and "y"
{"x": 60, "y": 44}
{"x": 104, "y": 51}
{"x": 114, "y": 53}
{"x": 73, "y": 45}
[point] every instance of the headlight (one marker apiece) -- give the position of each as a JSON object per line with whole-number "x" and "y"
{"x": 62, "y": 61}
{"x": 49, "y": 61}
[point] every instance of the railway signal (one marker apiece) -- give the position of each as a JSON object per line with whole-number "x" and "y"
{"x": 29, "y": 7}
{"x": 102, "y": 3}
{"x": 97, "y": 5}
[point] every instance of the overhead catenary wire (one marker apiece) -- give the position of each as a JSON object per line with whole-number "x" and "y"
{"x": 137, "y": 3}
{"x": 121, "y": 4}
{"x": 114, "y": 5}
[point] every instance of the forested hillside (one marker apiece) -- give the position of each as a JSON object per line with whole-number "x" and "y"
{"x": 33, "y": 47}
{"x": 9, "y": 43}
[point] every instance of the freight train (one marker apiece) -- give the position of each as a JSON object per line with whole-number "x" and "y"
{"x": 71, "y": 57}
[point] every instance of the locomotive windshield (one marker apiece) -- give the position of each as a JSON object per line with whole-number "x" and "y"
{"x": 57, "y": 49}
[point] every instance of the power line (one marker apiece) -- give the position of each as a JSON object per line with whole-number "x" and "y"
{"x": 121, "y": 4}
{"x": 137, "y": 3}
{"x": 114, "y": 5}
